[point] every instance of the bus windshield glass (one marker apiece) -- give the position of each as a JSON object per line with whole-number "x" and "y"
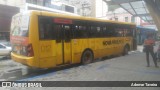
{"x": 20, "y": 25}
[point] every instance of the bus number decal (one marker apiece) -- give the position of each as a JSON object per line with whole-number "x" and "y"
{"x": 45, "y": 48}
{"x": 112, "y": 42}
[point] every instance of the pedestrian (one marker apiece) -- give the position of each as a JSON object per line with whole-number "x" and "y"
{"x": 149, "y": 48}
{"x": 158, "y": 54}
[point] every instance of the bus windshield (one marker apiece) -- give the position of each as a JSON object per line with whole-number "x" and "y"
{"x": 20, "y": 25}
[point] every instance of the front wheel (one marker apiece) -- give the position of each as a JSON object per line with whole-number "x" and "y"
{"x": 87, "y": 57}
{"x": 125, "y": 50}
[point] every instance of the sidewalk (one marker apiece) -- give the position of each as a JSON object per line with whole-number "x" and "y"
{"x": 131, "y": 67}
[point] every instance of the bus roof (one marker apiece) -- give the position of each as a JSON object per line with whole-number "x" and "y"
{"x": 76, "y": 17}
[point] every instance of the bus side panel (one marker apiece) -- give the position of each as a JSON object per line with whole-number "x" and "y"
{"x": 47, "y": 53}
{"x": 107, "y": 47}
{"x": 119, "y": 46}
{"x": 129, "y": 41}
{"x": 122, "y": 44}
{"x": 44, "y": 53}
{"x": 33, "y": 39}
{"x": 78, "y": 46}
{"x": 100, "y": 49}
{"x": 113, "y": 46}
{"x": 103, "y": 47}
{"x": 91, "y": 43}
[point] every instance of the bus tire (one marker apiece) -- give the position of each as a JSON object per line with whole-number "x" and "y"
{"x": 87, "y": 57}
{"x": 125, "y": 50}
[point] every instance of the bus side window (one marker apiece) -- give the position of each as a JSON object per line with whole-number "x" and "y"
{"x": 80, "y": 31}
{"x": 119, "y": 32}
{"x": 45, "y": 31}
{"x": 125, "y": 32}
{"x": 95, "y": 29}
{"x": 129, "y": 32}
{"x": 57, "y": 33}
{"x": 105, "y": 33}
{"x": 83, "y": 32}
{"x": 99, "y": 31}
{"x": 108, "y": 30}
{"x": 92, "y": 31}
{"x": 67, "y": 31}
{"x": 41, "y": 31}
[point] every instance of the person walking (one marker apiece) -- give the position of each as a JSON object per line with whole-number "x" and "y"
{"x": 158, "y": 54}
{"x": 149, "y": 48}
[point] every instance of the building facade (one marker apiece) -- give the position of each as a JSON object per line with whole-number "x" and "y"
{"x": 16, "y": 3}
{"x": 91, "y": 8}
{"x": 6, "y": 13}
{"x": 123, "y": 16}
{"x": 15, "y": 6}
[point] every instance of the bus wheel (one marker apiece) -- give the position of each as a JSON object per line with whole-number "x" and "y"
{"x": 87, "y": 57}
{"x": 125, "y": 50}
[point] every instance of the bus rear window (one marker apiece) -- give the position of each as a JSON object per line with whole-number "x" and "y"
{"x": 20, "y": 25}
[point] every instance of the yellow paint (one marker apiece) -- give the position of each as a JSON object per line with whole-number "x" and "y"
{"x": 48, "y": 53}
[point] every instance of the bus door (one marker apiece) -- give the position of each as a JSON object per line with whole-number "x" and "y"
{"x": 134, "y": 34}
{"x": 63, "y": 43}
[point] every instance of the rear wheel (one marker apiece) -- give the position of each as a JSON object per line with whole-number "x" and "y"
{"x": 87, "y": 57}
{"x": 125, "y": 50}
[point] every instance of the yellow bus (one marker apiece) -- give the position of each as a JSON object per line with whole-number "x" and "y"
{"x": 44, "y": 39}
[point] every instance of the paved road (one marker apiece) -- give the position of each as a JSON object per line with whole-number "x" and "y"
{"x": 131, "y": 67}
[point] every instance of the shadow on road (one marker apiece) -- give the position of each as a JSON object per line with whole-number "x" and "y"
{"x": 25, "y": 72}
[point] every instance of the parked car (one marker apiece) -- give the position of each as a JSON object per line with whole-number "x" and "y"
{"x": 5, "y": 49}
